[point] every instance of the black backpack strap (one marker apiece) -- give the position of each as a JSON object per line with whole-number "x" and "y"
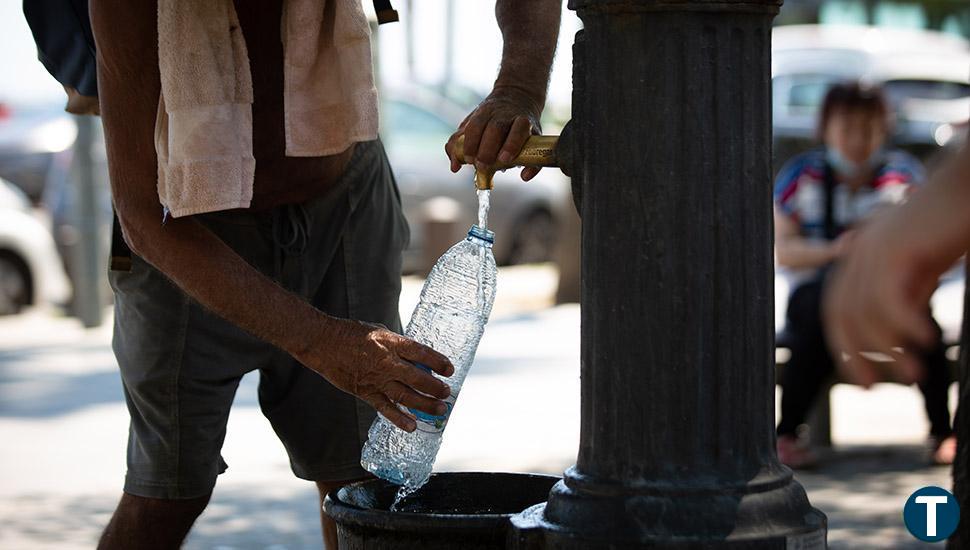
{"x": 385, "y": 12}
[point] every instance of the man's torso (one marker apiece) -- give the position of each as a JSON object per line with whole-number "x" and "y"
{"x": 279, "y": 179}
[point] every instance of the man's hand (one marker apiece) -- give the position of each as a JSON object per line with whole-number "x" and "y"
{"x": 878, "y": 300}
{"x": 377, "y": 366}
{"x": 496, "y": 130}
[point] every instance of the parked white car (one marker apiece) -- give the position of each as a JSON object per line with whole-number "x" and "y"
{"x": 31, "y": 272}
{"x": 926, "y": 76}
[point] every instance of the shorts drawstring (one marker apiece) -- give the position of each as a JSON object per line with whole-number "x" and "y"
{"x": 291, "y": 231}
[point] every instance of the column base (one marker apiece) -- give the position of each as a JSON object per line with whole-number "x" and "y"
{"x": 771, "y": 511}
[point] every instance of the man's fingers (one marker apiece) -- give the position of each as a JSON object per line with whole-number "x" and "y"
{"x": 404, "y": 395}
{"x": 911, "y": 324}
{"x": 515, "y": 139}
{"x": 908, "y": 367}
{"x": 395, "y": 415}
{"x": 493, "y": 138}
{"x": 450, "y": 151}
{"x": 530, "y": 172}
{"x": 854, "y": 368}
{"x": 858, "y": 370}
{"x": 420, "y": 353}
{"x": 473, "y": 136}
{"x": 422, "y": 381}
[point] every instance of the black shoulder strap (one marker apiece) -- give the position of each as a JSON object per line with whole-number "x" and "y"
{"x": 831, "y": 228}
{"x": 385, "y": 12}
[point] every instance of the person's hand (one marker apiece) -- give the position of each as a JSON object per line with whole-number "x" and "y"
{"x": 878, "y": 298}
{"x": 877, "y": 301}
{"x": 843, "y": 243}
{"x": 376, "y": 365}
{"x": 496, "y": 130}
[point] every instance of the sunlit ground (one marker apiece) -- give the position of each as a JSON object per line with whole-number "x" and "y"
{"x": 64, "y": 426}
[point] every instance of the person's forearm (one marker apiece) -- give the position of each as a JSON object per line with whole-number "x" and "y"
{"x": 530, "y": 31}
{"x": 797, "y": 252}
{"x": 195, "y": 259}
{"x": 210, "y": 272}
{"x": 942, "y": 209}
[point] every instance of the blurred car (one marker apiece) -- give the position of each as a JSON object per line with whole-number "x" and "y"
{"x": 416, "y": 124}
{"x": 923, "y": 73}
{"x": 37, "y": 155}
{"x": 61, "y": 199}
{"x": 30, "y": 137}
{"x": 30, "y": 270}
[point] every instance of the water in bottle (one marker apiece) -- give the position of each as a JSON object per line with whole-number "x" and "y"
{"x": 450, "y": 317}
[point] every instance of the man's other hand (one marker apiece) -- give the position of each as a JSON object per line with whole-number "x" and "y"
{"x": 377, "y": 366}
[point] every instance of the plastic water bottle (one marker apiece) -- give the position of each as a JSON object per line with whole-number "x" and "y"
{"x": 450, "y": 317}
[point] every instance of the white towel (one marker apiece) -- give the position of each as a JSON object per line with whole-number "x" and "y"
{"x": 204, "y": 128}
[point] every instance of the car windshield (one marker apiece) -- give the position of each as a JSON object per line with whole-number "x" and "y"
{"x": 801, "y": 94}
{"x": 899, "y": 90}
{"x": 409, "y": 129}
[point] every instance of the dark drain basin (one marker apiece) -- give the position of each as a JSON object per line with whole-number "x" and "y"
{"x": 469, "y": 511}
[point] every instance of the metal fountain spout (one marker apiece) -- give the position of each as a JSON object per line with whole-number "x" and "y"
{"x": 541, "y": 151}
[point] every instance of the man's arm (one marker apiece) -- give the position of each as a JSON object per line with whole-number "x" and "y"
{"x": 365, "y": 360}
{"x": 880, "y": 295}
{"x": 498, "y": 128}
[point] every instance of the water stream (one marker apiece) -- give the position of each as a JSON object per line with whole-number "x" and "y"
{"x": 483, "y": 199}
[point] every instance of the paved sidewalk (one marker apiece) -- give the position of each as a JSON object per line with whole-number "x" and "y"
{"x": 64, "y": 428}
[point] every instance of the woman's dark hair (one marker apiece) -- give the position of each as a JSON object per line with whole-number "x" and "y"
{"x": 852, "y": 96}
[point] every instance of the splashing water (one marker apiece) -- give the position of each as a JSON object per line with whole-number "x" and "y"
{"x": 483, "y": 199}
{"x": 402, "y": 493}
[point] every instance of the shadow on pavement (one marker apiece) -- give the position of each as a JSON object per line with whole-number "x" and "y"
{"x": 862, "y": 490}
{"x": 56, "y": 380}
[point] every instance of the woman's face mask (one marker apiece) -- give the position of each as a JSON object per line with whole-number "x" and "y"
{"x": 850, "y": 168}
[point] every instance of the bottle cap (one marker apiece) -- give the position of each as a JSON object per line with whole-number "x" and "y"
{"x": 483, "y": 234}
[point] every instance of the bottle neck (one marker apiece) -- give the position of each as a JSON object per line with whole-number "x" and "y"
{"x": 480, "y": 235}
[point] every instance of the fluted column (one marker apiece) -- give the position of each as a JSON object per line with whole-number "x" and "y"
{"x": 672, "y": 129}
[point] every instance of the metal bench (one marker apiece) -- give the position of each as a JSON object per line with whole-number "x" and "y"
{"x": 819, "y": 419}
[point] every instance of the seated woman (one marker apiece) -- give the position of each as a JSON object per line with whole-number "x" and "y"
{"x": 820, "y": 196}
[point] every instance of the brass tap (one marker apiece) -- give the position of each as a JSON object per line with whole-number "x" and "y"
{"x": 537, "y": 151}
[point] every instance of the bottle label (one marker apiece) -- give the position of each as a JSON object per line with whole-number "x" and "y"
{"x": 428, "y": 422}
{"x": 431, "y": 423}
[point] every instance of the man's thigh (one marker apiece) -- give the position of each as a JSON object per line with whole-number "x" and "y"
{"x": 180, "y": 367}
{"x": 322, "y": 427}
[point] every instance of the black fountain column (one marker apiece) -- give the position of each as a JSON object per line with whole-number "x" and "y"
{"x": 670, "y": 147}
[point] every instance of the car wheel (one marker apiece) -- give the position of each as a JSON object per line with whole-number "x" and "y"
{"x": 15, "y": 285}
{"x": 534, "y": 239}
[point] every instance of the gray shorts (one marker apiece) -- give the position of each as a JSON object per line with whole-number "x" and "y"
{"x": 181, "y": 364}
